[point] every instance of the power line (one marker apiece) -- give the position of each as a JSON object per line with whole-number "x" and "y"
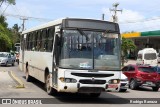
{"x": 28, "y": 17}
{"x": 139, "y": 21}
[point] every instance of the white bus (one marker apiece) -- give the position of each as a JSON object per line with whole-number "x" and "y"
{"x": 72, "y": 55}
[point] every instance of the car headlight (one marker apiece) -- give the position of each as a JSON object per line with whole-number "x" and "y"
{"x": 114, "y": 81}
{"x": 3, "y": 60}
{"x": 67, "y": 80}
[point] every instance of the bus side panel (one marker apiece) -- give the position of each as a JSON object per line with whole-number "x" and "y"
{"x": 38, "y": 62}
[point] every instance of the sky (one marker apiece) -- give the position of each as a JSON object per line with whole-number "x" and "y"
{"x": 136, "y": 15}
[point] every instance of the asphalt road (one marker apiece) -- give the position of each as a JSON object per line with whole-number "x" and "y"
{"x": 35, "y": 90}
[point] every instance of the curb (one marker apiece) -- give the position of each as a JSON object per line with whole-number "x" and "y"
{"x": 19, "y": 83}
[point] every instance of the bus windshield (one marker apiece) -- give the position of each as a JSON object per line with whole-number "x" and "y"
{"x": 90, "y": 50}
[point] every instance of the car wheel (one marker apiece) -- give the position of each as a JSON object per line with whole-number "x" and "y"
{"x": 122, "y": 90}
{"x": 133, "y": 84}
{"x": 155, "y": 88}
{"x": 13, "y": 63}
{"x": 6, "y": 64}
{"x": 95, "y": 94}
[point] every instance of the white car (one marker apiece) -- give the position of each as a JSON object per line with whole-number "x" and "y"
{"x": 121, "y": 87}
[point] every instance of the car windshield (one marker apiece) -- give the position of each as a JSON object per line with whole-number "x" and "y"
{"x": 90, "y": 50}
{"x": 146, "y": 69}
{"x": 3, "y": 55}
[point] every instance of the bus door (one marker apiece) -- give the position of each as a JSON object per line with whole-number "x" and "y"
{"x": 56, "y": 50}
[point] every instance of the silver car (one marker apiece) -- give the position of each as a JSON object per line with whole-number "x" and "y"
{"x": 6, "y": 59}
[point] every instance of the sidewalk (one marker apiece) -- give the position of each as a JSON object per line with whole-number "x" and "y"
{"x": 6, "y": 81}
{"x": 130, "y": 61}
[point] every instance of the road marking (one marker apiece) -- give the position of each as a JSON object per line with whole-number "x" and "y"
{"x": 20, "y": 84}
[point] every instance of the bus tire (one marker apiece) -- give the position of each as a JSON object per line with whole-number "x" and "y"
{"x": 49, "y": 89}
{"x": 95, "y": 94}
{"x": 28, "y": 77}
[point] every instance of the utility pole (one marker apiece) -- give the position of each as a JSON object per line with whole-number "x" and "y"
{"x": 23, "y": 43}
{"x": 23, "y": 19}
{"x": 115, "y": 10}
{"x": 103, "y": 16}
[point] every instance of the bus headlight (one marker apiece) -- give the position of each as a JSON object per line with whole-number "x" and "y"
{"x": 68, "y": 80}
{"x": 114, "y": 81}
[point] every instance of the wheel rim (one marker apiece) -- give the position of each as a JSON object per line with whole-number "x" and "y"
{"x": 132, "y": 84}
{"x": 48, "y": 83}
{"x": 27, "y": 74}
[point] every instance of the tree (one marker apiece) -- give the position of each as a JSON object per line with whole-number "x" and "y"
{"x": 15, "y": 33}
{"x": 3, "y": 21}
{"x": 5, "y": 42}
{"x": 126, "y": 45}
{"x": 7, "y": 1}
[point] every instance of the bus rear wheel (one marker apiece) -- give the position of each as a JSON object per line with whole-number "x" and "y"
{"x": 28, "y": 77}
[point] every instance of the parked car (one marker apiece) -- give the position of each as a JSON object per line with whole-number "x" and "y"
{"x": 141, "y": 75}
{"x": 6, "y": 58}
{"x": 157, "y": 69}
{"x": 121, "y": 87}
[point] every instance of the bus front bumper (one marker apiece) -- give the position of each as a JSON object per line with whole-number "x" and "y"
{"x": 82, "y": 88}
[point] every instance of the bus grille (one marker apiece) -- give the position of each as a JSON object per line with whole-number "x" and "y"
{"x": 87, "y": 81}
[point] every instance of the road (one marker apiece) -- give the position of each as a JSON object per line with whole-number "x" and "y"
{"x": 35, "y": 90}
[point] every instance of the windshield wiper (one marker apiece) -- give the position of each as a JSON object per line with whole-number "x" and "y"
{"x": 82, "y": 33}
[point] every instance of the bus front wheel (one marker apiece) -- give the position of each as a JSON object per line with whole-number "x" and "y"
{"x": 49, "y": 89}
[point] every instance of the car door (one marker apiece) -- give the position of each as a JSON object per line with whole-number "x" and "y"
{"x": 125, "y": 71}
{"x": 131, "y": 72}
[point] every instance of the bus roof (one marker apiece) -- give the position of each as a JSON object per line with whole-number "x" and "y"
{"x": 56, "y": 22}
{"x": 49, "y": 24}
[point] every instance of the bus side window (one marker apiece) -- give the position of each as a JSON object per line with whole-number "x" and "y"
{"x": 50, "y": 39}
{"x": 27, "y": 41}
{"x": 43, "y": 42}
{"x": 39, "y": 41}
{"x": 34, "y": 41}
{"x": 31, "y": 41}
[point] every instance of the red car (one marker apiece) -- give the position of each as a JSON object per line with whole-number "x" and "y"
{"x": 141, "y": 76}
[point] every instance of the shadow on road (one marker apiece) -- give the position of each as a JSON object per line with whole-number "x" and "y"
{"x": 77, "y": 98}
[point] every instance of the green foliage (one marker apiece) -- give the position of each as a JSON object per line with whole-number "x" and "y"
{"x": 126, "y": 45}
{"x": 7, "y": 1}
{"x": 3, "y": 21}
{"x": 5, "y": 42}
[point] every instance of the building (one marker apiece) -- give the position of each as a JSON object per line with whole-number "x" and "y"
{"x": 148, "y": 39}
